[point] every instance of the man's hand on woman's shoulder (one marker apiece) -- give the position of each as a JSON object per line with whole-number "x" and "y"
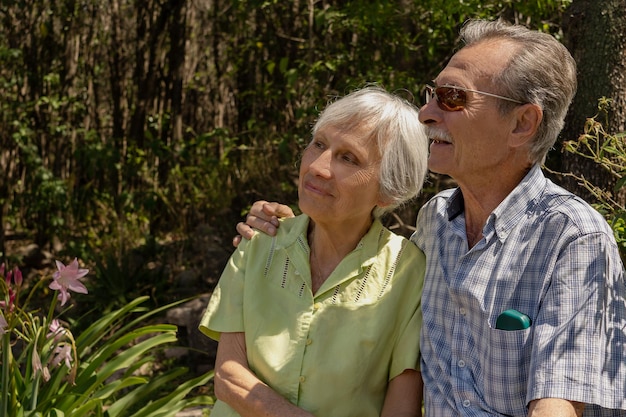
{"x": 263, "y": 216}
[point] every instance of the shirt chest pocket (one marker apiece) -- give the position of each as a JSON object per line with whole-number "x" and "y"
{"x": 506, "y": 358}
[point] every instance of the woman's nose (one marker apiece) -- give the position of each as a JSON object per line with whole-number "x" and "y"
{"x": 322, "y": 164}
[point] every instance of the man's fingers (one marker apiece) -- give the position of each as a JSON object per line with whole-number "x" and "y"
{"x": 265, "y": 225}
{"x": 248, "y": 229}
{"x": 259, "y": 209}
{"x": 275, "y": 210}
{"x": 245, "y": 231}
{"x": 263, "y": 216}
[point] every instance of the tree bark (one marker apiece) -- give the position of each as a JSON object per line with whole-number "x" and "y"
{"x": 594, "y": 33}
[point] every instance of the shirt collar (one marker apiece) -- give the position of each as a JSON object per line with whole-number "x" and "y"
{"x": 520, "y": 201}
{"x": 369, "y": 244}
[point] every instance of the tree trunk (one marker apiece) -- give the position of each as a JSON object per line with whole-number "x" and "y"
{"x": 594, "y": 33}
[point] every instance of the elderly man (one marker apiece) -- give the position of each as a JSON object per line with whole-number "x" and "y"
{"x": 524, "y": 309}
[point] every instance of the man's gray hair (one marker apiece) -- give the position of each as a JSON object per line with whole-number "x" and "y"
{"x": 400, "y": 138}
{"x": 542, "y": 71}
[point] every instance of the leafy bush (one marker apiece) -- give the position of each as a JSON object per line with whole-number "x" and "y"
{"x": 107, "y": 370}
{"x": 609, "y": 152}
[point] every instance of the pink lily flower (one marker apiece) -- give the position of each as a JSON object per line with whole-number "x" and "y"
{"x": 63, "y": 352}
{"x": 56, "y": 331}
{"x": 67, "y": 278}
{"x": 45, "y": 372}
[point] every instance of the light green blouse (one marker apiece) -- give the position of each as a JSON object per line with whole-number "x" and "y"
{"x": 331, "y": 353}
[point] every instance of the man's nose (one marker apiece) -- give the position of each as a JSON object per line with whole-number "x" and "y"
{"x": 430, "y": 113}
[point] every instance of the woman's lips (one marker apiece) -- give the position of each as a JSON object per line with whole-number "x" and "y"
{"x": 315, "y": 189}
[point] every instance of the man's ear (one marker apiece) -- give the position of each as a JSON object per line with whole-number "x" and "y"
{"x": 528, "y": 117}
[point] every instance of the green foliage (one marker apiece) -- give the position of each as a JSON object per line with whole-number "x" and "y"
{"x": 109, "y": 139}
{"x": 608, "y": 151}
{"x": 109, "y": 369}
{"x": 120, "y": 281}
{"x": 122, "y": 125}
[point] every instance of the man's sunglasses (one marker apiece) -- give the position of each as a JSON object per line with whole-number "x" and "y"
{"x": 453, "y": 98}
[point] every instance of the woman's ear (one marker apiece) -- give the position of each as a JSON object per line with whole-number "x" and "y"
{"x": 383, "y": 201}
{"x": 528, "y": 117}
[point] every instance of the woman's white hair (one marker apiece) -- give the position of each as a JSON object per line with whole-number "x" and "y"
{"x": 399, "y": 135}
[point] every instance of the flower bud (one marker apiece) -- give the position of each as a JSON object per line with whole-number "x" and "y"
{"x": 17, "y": 277}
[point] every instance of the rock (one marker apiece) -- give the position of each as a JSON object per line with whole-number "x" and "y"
{"x": 33, "y": 257}
{"x": 187, "y": 316}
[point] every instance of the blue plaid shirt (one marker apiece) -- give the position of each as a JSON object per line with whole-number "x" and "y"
{"x": 547, "y": 254}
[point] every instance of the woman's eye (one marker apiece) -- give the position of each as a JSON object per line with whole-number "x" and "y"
{"x": 349, "y": 158}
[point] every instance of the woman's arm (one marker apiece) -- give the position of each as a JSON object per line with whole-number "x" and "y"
{"x": 404, "y": 395}
{"x": 238, "y": 386}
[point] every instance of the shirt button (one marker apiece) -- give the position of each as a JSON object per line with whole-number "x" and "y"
{"x": 462, "y": 311}
{"x": 297, "y": 272}
{"x": 317, "y": 306}
{"x": 302, "y": 379}
{"x": 466, "y": 403}
{"x": 461, "y": 363}
{"x": 308, "y": 342}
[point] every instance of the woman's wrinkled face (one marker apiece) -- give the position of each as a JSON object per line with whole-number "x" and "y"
{"x": 339, "y": 175}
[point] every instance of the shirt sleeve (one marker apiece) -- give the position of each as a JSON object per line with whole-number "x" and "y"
{"x": 224, "y": 313}
{"x": 406, "y": 351}
{"x": 406, "y": 355}
{"x": 579, "y": 351}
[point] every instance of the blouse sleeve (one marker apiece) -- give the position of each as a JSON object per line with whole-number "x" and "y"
{"x": 224, "y": 313}
{"x": 411, "y": 268}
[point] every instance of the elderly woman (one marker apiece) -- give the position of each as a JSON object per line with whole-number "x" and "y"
{"x": 322, "y": 320}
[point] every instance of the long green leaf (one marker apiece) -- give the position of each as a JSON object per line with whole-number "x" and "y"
{"x": 121, "y": 361}
{"x": 97, "y": 399}
{"x": 98, "y": 358}
{"x": 109, "y": 360}
{"x": 151, "y": 313}
{"x": 169, "y": 405}
{"x": 144, "y": 393}
{"x": 108, "y": 389}
{"x": 94, "y": 333}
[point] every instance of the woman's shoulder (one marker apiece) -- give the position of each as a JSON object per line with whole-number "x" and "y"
{"x": 399, "y": 246}
{"x": 290, "y": 228}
